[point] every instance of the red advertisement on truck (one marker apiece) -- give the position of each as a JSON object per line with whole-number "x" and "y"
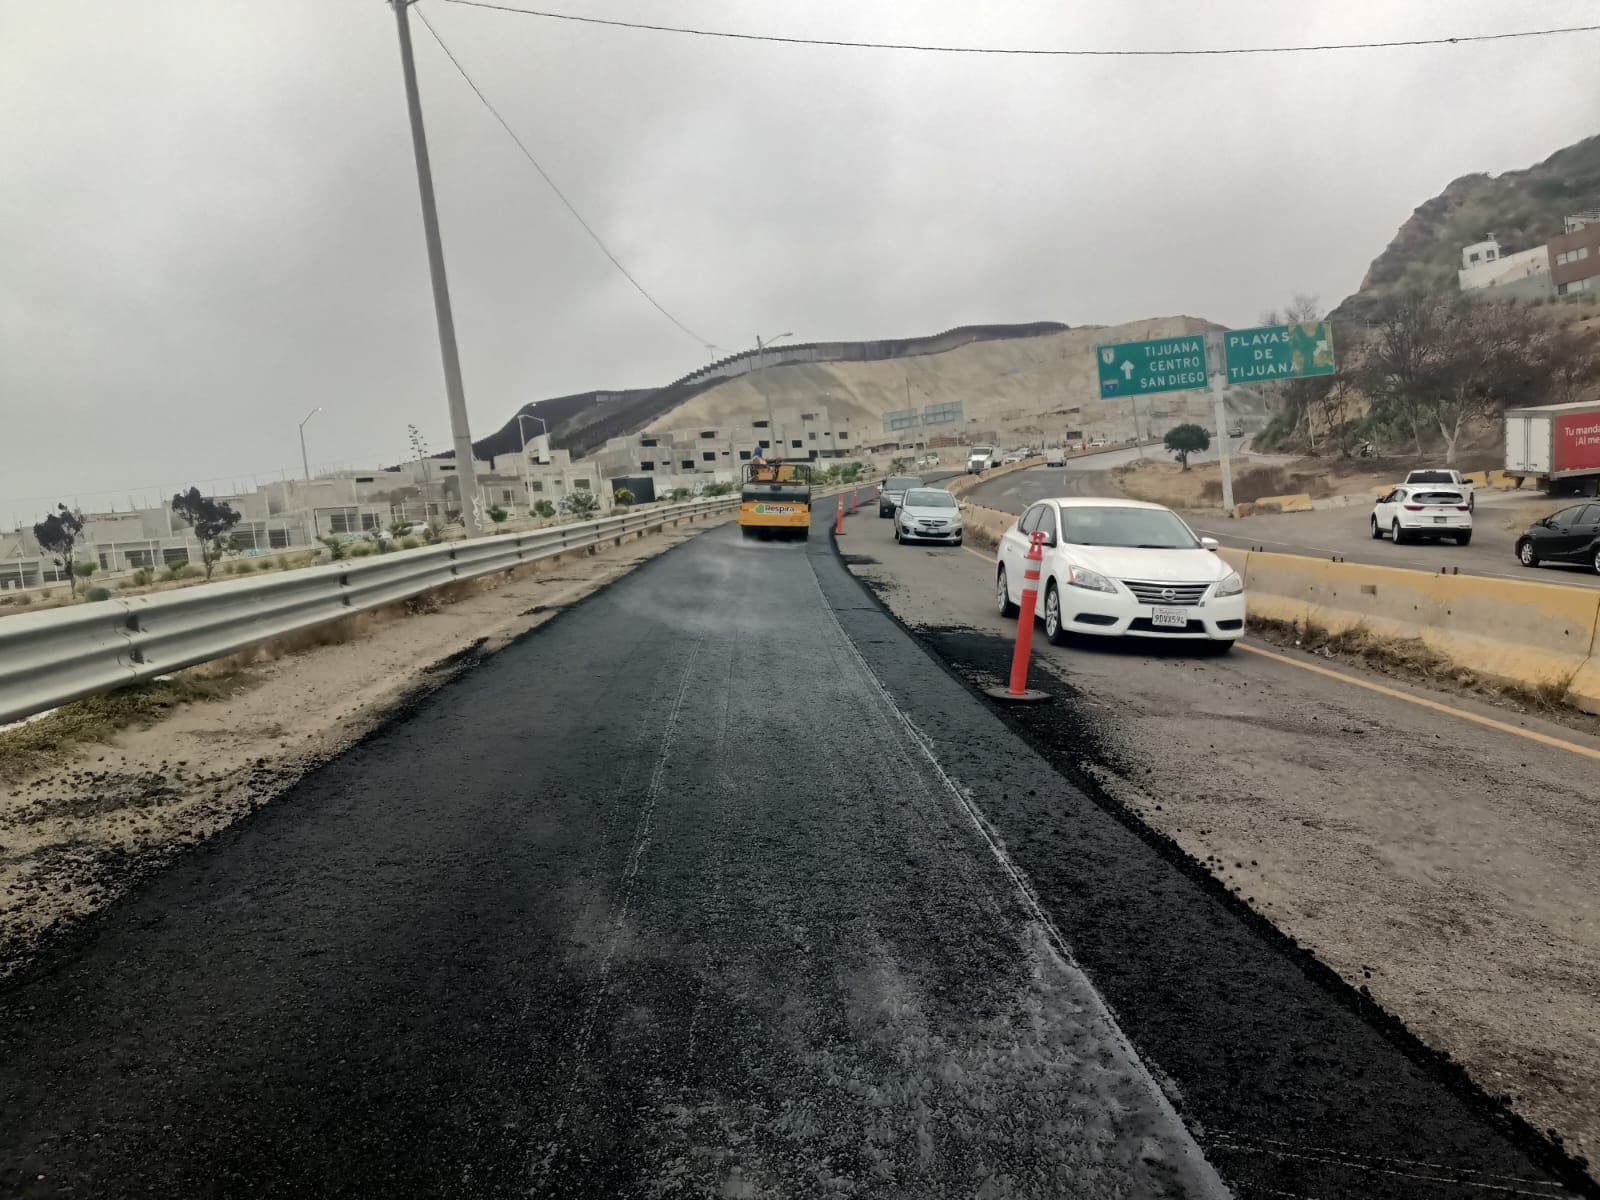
{"x": 1575, "y": 442}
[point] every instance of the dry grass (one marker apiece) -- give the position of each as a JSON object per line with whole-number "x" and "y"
{"x": 30, "y": 748}
{"x": 1414, "y": 660}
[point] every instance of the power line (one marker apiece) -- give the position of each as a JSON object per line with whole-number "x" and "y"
{"x": 560, "y": 195}
{"x": 1032, "y": 51}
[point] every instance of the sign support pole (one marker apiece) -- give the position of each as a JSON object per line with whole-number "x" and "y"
{"x": 1219, "y": 402}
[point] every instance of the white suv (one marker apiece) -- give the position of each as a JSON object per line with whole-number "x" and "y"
{"x": 1426, "y": 511}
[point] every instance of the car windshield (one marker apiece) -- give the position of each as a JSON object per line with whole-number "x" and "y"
{"x": 1114, "y": 525}
{"x": 899, "y": 483}
{"x": 930, "y": 498}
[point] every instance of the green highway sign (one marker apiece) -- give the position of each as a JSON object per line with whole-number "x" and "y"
{"x": 1172, "y": 364}
{"x": 1278, "y": 352}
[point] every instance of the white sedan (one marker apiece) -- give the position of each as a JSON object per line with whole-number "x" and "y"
{"x": 1423, "y": 511}
{"x": 1122, "y": 568}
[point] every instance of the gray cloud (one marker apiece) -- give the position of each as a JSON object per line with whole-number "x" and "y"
{"x": 208, "y": 216}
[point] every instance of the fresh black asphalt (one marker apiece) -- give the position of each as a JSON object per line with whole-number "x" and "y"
{"x": 720, "y": 884}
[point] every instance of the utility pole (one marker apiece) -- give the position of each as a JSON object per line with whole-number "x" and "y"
{"x": 461, "y": 432}
{"x": 1219, "y": 402}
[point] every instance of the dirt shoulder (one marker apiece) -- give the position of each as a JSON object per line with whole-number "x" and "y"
{"x": 75, "y": 836}
{"x": 1445, "y": 869}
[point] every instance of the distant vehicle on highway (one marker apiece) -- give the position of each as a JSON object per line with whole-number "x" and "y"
{"x": 979, "y": 458}
{"x": 1014, "y": 457}
{"x": 1423, "y": 511}
{"x": 1569, "y": 536}
{"x": 928, "y": 460}
{"x": 1235, "y": 431}
{"x": 1122, "y": 568}
{"x": 1097, "y": 443}
{"x": 1056, "y": 456}
{"x": 893, "y": 489}
{"x": 928, "y": 515}
{"x": 1451, "y": 479}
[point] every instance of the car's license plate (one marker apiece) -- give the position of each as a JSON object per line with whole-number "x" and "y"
{"x": 1171, "y": 617}
{"x": 1439, "y": 520}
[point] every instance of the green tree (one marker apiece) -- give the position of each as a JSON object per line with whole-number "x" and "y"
{"x": 210, "y": 519}
{"x": 57, "y": 536}
{"x": 85, "y": 569}
{"x": 580, "y": 504}
{"x": 497, "y": 514}
{"x": 544, "y": 509}
{"x": 1184, "y": 440}
{"x": 623, "y": 497}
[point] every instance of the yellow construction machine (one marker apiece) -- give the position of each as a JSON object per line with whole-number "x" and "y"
{"x": 774, "y": 501}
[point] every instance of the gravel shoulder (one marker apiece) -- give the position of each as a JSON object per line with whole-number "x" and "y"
{"x": 1444, "y": 869}
{"x": 79, "y": 835}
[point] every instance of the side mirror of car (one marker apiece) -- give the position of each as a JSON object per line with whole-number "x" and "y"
{"x": 1209, "y": 544}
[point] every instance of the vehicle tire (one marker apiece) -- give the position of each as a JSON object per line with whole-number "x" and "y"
{"x": 1597, "y": 560}
{"x": 1525, "y": 554}
{"x": 1002, "y": 597}
{"x": 1463, "y": 539}
{"x": 898, "y": 540}
{"x": 958, "y": 541}
{"x": 1055, "y": 633}
{"x": 748, "y": 531}
{"x": 1395, "y": 534}
{"x": 1217, "y": 649}
{"x": 805, "y": 535}
{"x": 1377, "y": 532}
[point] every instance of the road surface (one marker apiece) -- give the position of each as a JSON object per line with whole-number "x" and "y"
{"x": 717, "y": 885}
{"x": 1336, "y": 531}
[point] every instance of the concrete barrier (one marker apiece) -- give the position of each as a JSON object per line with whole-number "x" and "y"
{"x": 1536, "y": 635}
{"x": 985, "y": 526}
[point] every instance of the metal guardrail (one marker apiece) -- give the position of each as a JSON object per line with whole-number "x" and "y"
{"x": 48, "y": 658}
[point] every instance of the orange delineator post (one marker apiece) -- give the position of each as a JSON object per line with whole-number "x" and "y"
{"x": 852, "y": 504}
{"x": 1030, "y": 600}
{"x": 838, "y": 517}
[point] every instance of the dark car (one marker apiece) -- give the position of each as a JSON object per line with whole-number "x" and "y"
{"x": 1569, "y": 536}
{"x": 892, "y": 490}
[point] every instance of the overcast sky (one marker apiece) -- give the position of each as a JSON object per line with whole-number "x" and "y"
{"x": 209, "y": 220}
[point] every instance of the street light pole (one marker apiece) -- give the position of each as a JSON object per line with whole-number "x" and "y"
{"x": 461, "y": 432}
{"x": 761, "y": 386}
{"x": 305, "y": 463}
{"x": 527, "y": 486}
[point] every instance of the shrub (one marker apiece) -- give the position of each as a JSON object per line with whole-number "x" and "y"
{"x": 432, "y": 532}
{"x": 681, "y": 493}
{"x": 497, "y": 514}
{"x": 336, "y": 549}
{"x": 547, "y": 510}
{"x": 142, "y": 577}
{"x": 97, "y": 593}
{"x": 409, "y": 543}
{"x": 362, "y": 550}
{"x": 623, "y": 497}
{"x": 268, "y": 564}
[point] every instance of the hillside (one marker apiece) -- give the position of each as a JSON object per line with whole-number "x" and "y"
{"x": 582, "y": 422}
{"x": 1522, "y": 209}
{"x": 1014, "y": 389}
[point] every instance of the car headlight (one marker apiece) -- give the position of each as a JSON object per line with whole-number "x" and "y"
{"x": 1231, "y": 585}
{"x": 1084, "y": 578}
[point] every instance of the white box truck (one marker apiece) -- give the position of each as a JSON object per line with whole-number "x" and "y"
{"x": 1555, "y": 445}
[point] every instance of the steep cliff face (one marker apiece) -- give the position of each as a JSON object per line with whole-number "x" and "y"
{"x": 1522, "y": 209}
